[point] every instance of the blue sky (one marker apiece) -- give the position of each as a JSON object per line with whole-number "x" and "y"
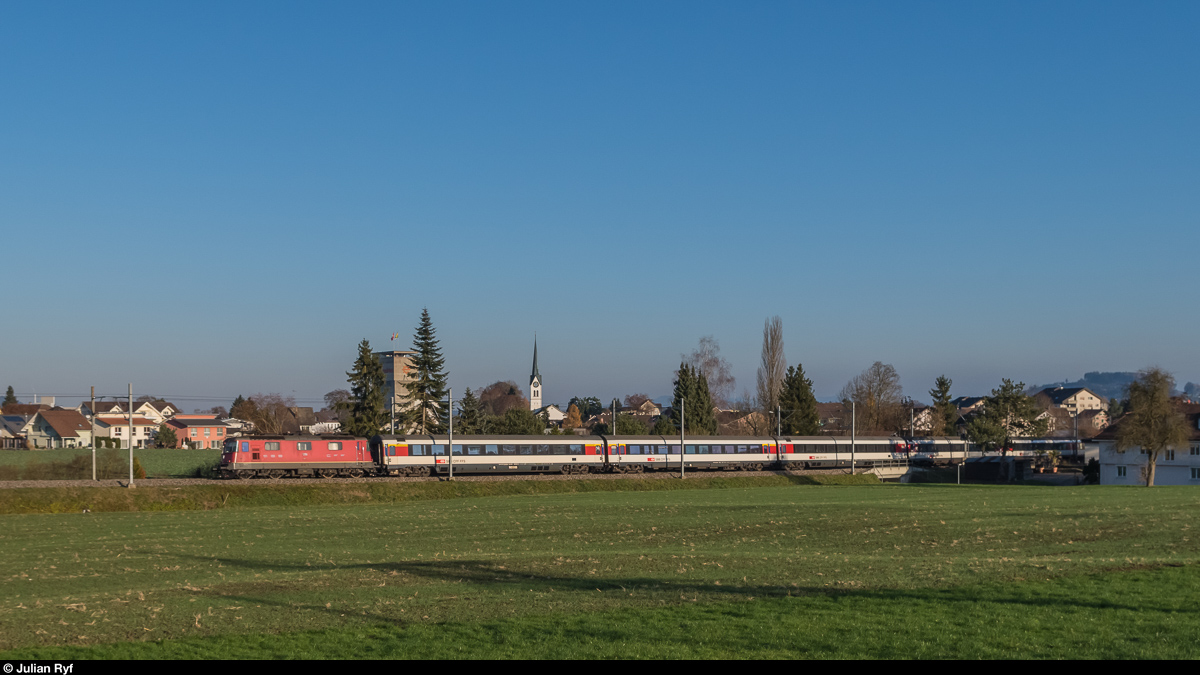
{"x": 212, "y": 199}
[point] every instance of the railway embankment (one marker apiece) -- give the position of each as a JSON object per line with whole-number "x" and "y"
{"x": 198, "y": 495}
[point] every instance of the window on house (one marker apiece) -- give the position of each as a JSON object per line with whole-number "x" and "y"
{"x": 1120, "y": 472}
{"x": 1195, "y": 474}
{"x": 1170, "y": 455}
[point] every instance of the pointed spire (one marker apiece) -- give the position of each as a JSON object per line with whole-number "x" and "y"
{"x": 535, "y": 375}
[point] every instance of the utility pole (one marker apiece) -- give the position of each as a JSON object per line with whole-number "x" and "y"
{"x": 92, "y": 421}
{"x": 450, "y": 403}
{"x": 853, "y": 432}
{"x": 778, "y": 421}
{"x": 130, "y": 434}
{"x": 682, "y": 445}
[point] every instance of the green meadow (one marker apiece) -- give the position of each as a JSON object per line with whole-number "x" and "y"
{"x": 702, "y": 570}
{"x": 76, "y": 463}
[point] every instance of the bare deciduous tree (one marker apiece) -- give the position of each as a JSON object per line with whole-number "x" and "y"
{"x": 877, "y": 396}
{"x": 707, "y": 359}
{"x": 635, "y": 400}
{"x": 270, "y": 411}
{"x": 773, "y": 367}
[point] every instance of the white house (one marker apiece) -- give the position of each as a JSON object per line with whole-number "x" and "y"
{"x": 1180, "y": 466}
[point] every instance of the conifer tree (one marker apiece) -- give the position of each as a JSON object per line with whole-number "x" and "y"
{"x": 945, "y": 415}
{"x": 9, "y": 396}
{"x": 798, "y": 405}
{"x": 427, "y": 412}
{"x": 693, "y": 397}
{"x": 366, "y": 415}
{"x": 470, "y": 414}
{"x": 663, "y": 427}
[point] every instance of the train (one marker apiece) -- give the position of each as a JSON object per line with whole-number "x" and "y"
{"x": 429, "y": 455}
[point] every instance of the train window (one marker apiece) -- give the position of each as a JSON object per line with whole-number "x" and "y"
{"x": 474, "y": 449}
{"x": 437, "y": 449}
{"x": 674, "y": 449}
{"x": 271, "y": 447}
{"x": 491, "y": 449}
{"x": 457, "y": 449}
{"x": 633, "y": 450}
{"x": 576, "y": 449}
{"x": 304, "y": 447}
{"x": 245, "y": 447}
{"x": 689, "y": 449}
{"x": 702, "y": 449}
{"x": 415, "y": 450}
{"x": 335, "y": 447}
{"x": 525, "y": 449}
{"x": 508, "y": 449}
{"x": 543, "y": 450}
{"x": 742, "y": 449}
{"x": 756, "y": 449}
{"x": 662, "y": 449}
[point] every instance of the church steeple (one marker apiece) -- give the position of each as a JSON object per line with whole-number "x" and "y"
{"x": 535, "y": 381}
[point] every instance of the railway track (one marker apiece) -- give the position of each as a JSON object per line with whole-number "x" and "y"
{"x": 182, "y": 482}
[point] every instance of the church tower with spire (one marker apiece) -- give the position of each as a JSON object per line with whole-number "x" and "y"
{"x": 535, "y": 382}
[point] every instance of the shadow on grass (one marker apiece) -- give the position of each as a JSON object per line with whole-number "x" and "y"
{"x": 488, "y": 576}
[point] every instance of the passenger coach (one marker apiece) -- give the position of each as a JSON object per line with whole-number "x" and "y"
{"x": 426, "y": 455}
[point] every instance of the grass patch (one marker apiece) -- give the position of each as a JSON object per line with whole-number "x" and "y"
{"x": 76, "y": 463}
{"x": 887, "y": 571}
{"x": 246, "y": 494}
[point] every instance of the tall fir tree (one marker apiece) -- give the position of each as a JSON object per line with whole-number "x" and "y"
{"x": 694, "y": 400}
{"x": 9, "y": 396}
{"x": 427, "y": 412}
{"x": 470, "y": 414}
{"x": 798, "y": 405}
{"x": 945, "y": 415}
{"x": 366, "y": 414}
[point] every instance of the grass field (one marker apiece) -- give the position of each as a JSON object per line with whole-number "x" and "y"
{"x": 886, "y": 571}
{"x": 158, "y": 462}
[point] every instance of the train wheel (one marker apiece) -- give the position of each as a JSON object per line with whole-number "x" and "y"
{"x": 326, "y": 473}
{"x": 355, "y": 473}
{"x": 243, "y": 474}
{"x": 275, "y": 474}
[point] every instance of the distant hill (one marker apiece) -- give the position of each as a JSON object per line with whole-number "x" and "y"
{"x": 1108, "y": 385}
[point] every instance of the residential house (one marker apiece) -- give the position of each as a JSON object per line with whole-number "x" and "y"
{"x": 13, "y": 431}
{"x": 200, "y": 433}
{"x": 117, "y": 428}
{"x": 59, "y": 429}
{"x": 1074, "y": 400}
{"x": 553, "y": 414}
{"x": 299, "y": 420}
{"x": 1178, "y": 466}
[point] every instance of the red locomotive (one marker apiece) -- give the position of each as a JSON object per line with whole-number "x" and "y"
{"x": 279, "y": 456}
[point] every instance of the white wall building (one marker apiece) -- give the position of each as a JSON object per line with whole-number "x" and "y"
{"x": 1180, "y": 466}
